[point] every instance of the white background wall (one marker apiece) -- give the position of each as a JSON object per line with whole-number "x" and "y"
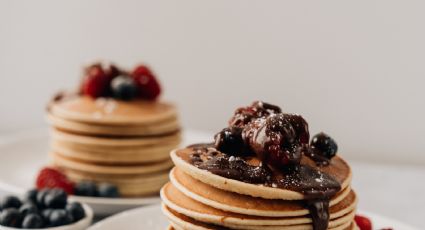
{"x": 354, "y": 69}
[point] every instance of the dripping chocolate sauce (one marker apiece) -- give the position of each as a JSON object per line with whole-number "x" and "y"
{"x": 316, "y": 186}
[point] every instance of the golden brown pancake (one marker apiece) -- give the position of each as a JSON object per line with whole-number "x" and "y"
{"x": 179, "y": 202}
{"x": 110, "y": 111}
{"x": 238, "y": 203}
{"x": 337, "y": 168}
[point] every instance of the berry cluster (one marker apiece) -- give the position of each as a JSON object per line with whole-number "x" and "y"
{"x": 278, "y": 139}
{"x": 40, "y": 209}
{"x": 110, "y": 81}
{"x": 53, "y": 178}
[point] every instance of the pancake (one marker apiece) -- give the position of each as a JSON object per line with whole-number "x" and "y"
{"x": 128, "y": 185}
{"x": 173, "y": 198}
{"x": 114, "y": 142}
{"x": 338, "y": 168}
{"x": 109, "y": 111}
{"x": 238, "y": 203}
{"x": 123, "y": 155}
{"x": 163, "y": 127}
{"x": 180, "y": 221}
{"x": 73, "y": 164}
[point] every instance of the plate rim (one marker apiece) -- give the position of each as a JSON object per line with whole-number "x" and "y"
{"x": 139, "y": 211}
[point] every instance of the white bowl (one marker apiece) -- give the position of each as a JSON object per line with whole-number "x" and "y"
{"x": 80, "y": 225}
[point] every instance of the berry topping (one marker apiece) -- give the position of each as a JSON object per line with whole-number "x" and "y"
{"x": 363, "y": 222}
{"x": 60, "y": 217}
{"x": 229, "y": 140}
{"x": 28, "y": 208}
{"x": 76, "y": 210}
{"x": 108, "y": 190}
{"x": 149, "y": 87}
{"x": 10, "y": 202}
{"x": 258, "y": 109}
{"x": 323, "y": 145}
{"x": 86, "y": 188}
{"x": 40, "y": 197}
{"x": 124, "y": 88}
{"x": 32, "y": 221}
{"x": 41, "y": 209}
{"x": 31, "y": 196}
{"x": 278, "y": 140}
{"x": 55, "y": 198}
{"x": 52, "y": 178}
{"x": 46, "y": 213}
{"x": 96, "y": 83}
{"x": 10, "y": 217}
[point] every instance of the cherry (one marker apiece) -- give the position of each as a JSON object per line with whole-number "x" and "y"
{"x": 257, "y": 109}
{"x": 278, "y": 140}
{"x": 148, "y": 86}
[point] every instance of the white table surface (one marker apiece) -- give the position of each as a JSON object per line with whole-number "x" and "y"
{"x": 394, "y": 191}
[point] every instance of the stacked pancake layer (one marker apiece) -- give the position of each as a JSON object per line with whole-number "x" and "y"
{"x": 198, "y": 199}
{"x": 123, "y": 143}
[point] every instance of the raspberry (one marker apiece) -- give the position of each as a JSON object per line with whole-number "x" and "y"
{"x": 363, "y": 222}
{"x": 96, "y": 82}
{"x": 147, "y": 84}
{"x": 52, "y": 178}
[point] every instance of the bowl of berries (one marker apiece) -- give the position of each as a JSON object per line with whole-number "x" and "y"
{"x": 44, "y": 209}
{"x": 103, "y": 198}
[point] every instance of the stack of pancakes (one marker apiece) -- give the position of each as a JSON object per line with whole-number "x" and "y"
{"x": 198, "y": 199}
{"x": 118, "y": 142}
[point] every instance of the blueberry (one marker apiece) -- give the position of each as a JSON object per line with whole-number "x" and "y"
{"x": 324, "y": 145}
{"x": 10, "y": 202}
{"x": 124, "y": 88}
{"x": 46, "y": 214}
{"x": 28, "y": 208}
{"x": 40, "y": 197}
{"x": 31, "y": 195}
{"x": 60, "y": 217}
{"x": 108, "y": 190}
{"x": 55, "y": 198}
{"x": 32, "y": 221}
{"x": 76, "y": 210}
{"x": 229, "y": 140}
{"x": 10, "y": 217}
{"x": 86, "y": 188}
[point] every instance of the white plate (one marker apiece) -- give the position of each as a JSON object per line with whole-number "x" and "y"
{"x": 22, "y": 156}
{"x": 151, "y": 218}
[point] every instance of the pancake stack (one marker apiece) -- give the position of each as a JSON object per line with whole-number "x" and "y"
{"x": 198, "y": 199}
{"x": 126, "y": 143}
{"x": 261, "y": 172}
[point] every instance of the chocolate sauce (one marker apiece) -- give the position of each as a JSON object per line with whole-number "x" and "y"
{"x": 231, "y": 167}
{"x": 317, "y": 186}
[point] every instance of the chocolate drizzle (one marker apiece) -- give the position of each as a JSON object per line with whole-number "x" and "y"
{"x": 317, "y": 187}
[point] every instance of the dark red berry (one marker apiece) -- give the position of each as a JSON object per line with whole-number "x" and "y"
{"x": 53, "y": 178}
{"x": 363, "y": 222}
{"x": 278, "y": 140}
{"x": 96, "y": 82}
{"x": 323, "y": 145}
{"x": 149, "y": 87}
{"x": 112, "y": 71}
{"x": 257, "y": 109}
